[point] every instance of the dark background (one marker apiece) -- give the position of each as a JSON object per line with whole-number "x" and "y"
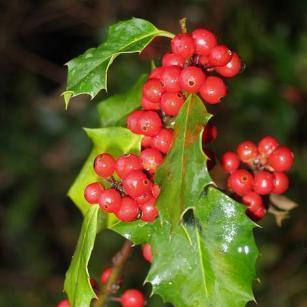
{"x": 43, "y": 146}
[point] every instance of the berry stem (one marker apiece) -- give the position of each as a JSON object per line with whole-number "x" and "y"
{"x": 119, "y": 261}
{"x": 183, "y": 25}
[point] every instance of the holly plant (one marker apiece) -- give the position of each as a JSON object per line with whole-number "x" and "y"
{"x": 149, "y": 176}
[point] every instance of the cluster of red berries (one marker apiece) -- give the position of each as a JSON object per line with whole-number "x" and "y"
{"x": 134, "y": 194}
{"x": 264, "y": 174}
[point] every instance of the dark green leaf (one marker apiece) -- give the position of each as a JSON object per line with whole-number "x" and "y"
{"x": 87, "y": 74}
{"x": 184, "y": 174}
{"x": 113, "y": 111}
{"x": 77, "y": 284}
{"x": 206, "y": 260}
{"x": 114, "y": 140}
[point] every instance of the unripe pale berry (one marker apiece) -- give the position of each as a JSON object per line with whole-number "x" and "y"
{"x": 281, "y": 160}
{"x": 149, "y": 123}
{"x": 263, "y": 183}
{"x": 267, "y": 145}
{"x": 281, "y": 183}
{"x": 183, "y": 45}
{"x": 105, "y": 275}
{"x": 133, "y": 121}
{"x": 240, "y": 181}
{"x": 252, "y": 200}
{"x": 132, "y": 298}
{"x": 110, "y": 201}
{"x": 63, "y": 303}
{"x": 232, "y": 68}
{"x": 204, "y": 41}
{"x": 170, "y": 78}
{"x": 191, "y": 79}
{"x": 149, "y": 105}
{"x": 219, "y": 55}
{"x": 127, "y": 163}
{"x": 92, "y": 192}
{"x": 136, "y": 183}
{"x": 153, "y": 90}
{"x": 173, "y": 59}
{"x": 128, "y": 210}
{"x": 147, "y": 252}
{"x": 171, "y": 103}
{"x": 230, "y": 161}
{"x": 163, "y": 140}
{"x": 247, "y": 151}
{"x": 151, "y": 159}
{"x": 213, "y": 90}
{"x": 149, "y": 211}
{"x": 209, "y": 134}
{"x": 104, "y": 165}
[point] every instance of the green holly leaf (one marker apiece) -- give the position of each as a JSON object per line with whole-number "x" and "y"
{"x": 184, "y": 174}
{"x": 114, "y": 140}
{"x": 114, "y": 110}
{"x": 77, "y": 282}
{"x": 208, "y": 259}
{"x": 87, "y": 73}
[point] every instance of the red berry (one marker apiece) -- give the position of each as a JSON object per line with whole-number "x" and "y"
{"x": 252, "y": 200}
{"x": 144, "y": 198}
{"x": 127, "y": 163}
{"x": 203, "y": 60}
{"x": 232, "y": 68}
{"x": 149, "y": 123}
{"x": 163, "y": 140}
{"x": 132, "y": 298}
{"x": 281, "y": 160}
{"x": 219, "y": 55}
{"x": 149, "y": 211}
{"x": 153, "y": 90}
{"x": 63, "y": 303}
{"x": 151, "y": 159}
{"x": 172, "y": 59}
{"x": 183, "y": 44}
{"x": 267, "y": 145}
{"x": 204, "y": 41}
{"x": 191, "y": 79}
{"x": 156, "y": 73}
{"x": 149, "y": 105}
{"x": 213, "y": 90}
{"x": 171, "y": 103}
{"x": 240, "y": 181}
{"x": 170, "y": 78}
{"x": 281, "y": 183}
{"x": 146, "y": 141}
{"x": 104, "y": 165}
{"x": 230, "y": 161}
{"x": 94, "y": 284}
{"x": 110, "y": 200}
{"x": 256, "y": 213}
{"x": 263, "y": 183}
{"x": 133, "y": 121}
{"x": 147, "y": 252}
{"x": 128, "y": 210}
{"x": 247, "y": 151}
{"x": 209, "y": 134}
{"x": 92, "y": 192}
{"x": 136, "y": 183}
{"x": 155, "y": 190}
{"x": 105, "y": 275}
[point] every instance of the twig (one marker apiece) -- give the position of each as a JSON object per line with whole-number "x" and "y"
{"x": 183, "y": 25}
{"x": 118, "y": 263}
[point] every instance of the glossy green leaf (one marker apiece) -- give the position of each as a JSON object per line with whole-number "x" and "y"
{"x": 184, "y": 174}
{"x": 114, "y": 110}
{"x": 208, "y": 259}
{"x": 77, "y": 284}
{"x": 87, "y": 74}
{"x": 114, "y": 140}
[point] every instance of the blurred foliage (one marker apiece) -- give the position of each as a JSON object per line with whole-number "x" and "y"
{"x": 43, "y": 146}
